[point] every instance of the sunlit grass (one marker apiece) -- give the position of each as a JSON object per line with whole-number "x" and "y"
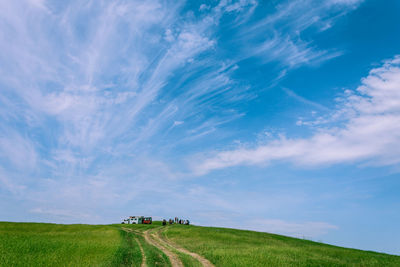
{"x": 229, "y": 247}
{"x": 128, "y": 253}
{"x": 37, "y": 244}
{"x": 154, "y": 256}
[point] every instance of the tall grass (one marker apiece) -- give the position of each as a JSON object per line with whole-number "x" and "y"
{"x": 37, "y": 244}
{"x": 154, "y": 256}
{"x": 229, "y": 247}
{"x": 128, "y": 253}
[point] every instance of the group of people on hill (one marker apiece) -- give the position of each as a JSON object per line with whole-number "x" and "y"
{"x": 176, "y": 220}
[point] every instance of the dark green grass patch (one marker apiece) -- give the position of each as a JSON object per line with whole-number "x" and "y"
{"x": 128, "y": 254}
{"x": 229, "y": 247}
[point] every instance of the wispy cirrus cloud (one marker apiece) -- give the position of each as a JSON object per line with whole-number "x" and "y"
{"x": 90, "y": 89}
{"x": 108, "y": 80}
{"x": 292, "y": 94}
{"x": 281, "y": 36}
{"x": 102, "y": 102}
{"x": 368, "y": 131}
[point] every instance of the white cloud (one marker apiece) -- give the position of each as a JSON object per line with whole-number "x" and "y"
{"x": 87, "y": 94}
{"x": 18, "y": 150}
{"x": 99, "y": 86}
{"x": 292, "y": 94}
{"x": 346, "y": 2}
{"x": 204, "y": 7}
{"x": 9, "y": 184}
{"x": 38, "y": 3}
{"x": 292, "y": 53}
{"x": 278, "y": 37}
{"x": 177, "y": 123}
{"x": 371, "y": 132}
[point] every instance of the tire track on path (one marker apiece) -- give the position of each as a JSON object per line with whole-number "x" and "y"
{"x": 166, "y": 241}
{"x": 140, "y": 246}
{"x": 154, "y": 240}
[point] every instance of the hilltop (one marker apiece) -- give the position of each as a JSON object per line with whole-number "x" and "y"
{"x": 43, "y": 244}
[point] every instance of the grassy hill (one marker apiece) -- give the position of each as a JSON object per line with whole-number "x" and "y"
{"x": 39, "y": 244}
{"x": 230, "y": 247}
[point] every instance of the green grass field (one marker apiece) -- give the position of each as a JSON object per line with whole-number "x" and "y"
{"x": 230, "y": 247}
{"x": 39, "y": 244}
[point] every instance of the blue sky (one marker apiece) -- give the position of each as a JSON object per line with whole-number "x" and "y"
{"x": 277, "y": 116}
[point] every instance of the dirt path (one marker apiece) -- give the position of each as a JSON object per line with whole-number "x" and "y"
{"x": 201, "y": 259}
{"x": 153, "y": 239}
{"x": 140, "y": 246}
{"x": 143, "y": 255}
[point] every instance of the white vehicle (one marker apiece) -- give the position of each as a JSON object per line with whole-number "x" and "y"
{"x": 133, "y": 220}
{"x": 136, "y": 219}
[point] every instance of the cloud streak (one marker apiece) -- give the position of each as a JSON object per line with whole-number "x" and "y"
{"x": 370, "y": 132}
{"x": 281, "y": 36}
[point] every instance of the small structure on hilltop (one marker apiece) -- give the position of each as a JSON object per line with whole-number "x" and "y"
{"x": 138, "y": 220}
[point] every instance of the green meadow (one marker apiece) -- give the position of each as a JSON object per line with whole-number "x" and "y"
{"x": 230, "y": 247}
{"x": 41, "y": 244}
